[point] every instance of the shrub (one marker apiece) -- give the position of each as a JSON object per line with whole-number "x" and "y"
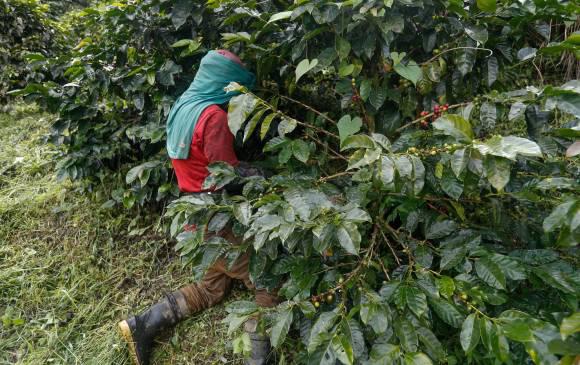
{"x": 423, "y": 202}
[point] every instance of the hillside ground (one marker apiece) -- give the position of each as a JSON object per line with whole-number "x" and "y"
{"x": 71, "y": 269}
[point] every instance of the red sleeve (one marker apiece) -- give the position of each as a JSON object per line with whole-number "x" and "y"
{"x": 218, "y": 141}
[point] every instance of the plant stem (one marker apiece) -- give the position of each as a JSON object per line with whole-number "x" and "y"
{"x": 428, "y": 116}
{"x": 309, "y": 108}
{"x": 326, "y": 178}
{"x": 456, "y": 48}
{"x": 322, "y": 144}
{"x": 391, "y": 248}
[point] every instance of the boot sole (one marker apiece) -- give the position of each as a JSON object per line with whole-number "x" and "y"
{"x": 126, "y": 334}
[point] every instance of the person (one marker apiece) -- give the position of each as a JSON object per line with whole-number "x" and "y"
{"x": 197, "y": 135}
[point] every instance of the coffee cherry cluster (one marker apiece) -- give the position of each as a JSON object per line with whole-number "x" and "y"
{"x": 327, "y": 297}
{"x": 438, "y": 110}
{"x": 403, "y": 83}
{"x": 432, "y": 151}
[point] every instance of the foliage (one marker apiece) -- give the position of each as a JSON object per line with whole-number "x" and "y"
{"x": 27, "y": 34}
{"x": 65, "y": 275}
{"x": 394, "y": 236}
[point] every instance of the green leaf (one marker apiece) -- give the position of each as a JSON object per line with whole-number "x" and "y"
{"x": 488, "y": 116}
{"x": 492, "y": 71}
{"x": 487, "y": 5}
{"x": 180, "y": 12}
{"x": 365, "y": 89}
{"x": 558, "y": 217}
{"x": 451, "y": 186}
{"x": 251, "y": 126}
{"x": 406, "y": 334}
{"x": 430, "y": 341}
{"x": 387, "y": 171}
{"x": 417, "y": 358}
{"x": 415, "y": 299}
{"x": 510, "y": 267}
{"x": 455, "y": 126}
{"x": 345, "y": 69}
{"x": 497, "y": 171}
{"x": 349, "y": 237}
{"x": 266, "y": 125}
{"x": 459, "y": 160}
{"x": 280, "y": 16}
{"x": 242, "y": 212}
{"x": 304, "y": 66}
{"x": 469, "y": 336}
{"x": 142, "y": 172}
{"x": 440, "y": 229}
{"x": 434, "y": 72}
{"x": 411, "y": 71}
{"x": 446, "y": 286}
{"x": 465, "y": 59}
{"x": 573, "y": 150}
{"x": 166, "y": 74}
{"x": 319, "y": 329}
{"x": 286, "y": 125}
{"x": 300, "y": 150}
{"x": 516, "y": 327}
{"x": 343, "y": 349}
{"x": 527, "y": 53}
{"x": 239, "y": 108}
{"x": 384, "y": 354}
{"x": 568, "y": 103}
{"x": 281, "y": 327}
{"x": 351, "y": 330}
{"x": 570, "y": 325}
{"x": 357, "y": 141}
{"x": 377, "y": 96}
{"x": 242, "y": 344}
{"x": 342, "y": 48}
{"x": 242, "y": 307}
{"x": 490, "y": 273}
{"x": 447, "y": 312}
{"x": 452, "y": 257}
{"x": 234, "y": 321}
{"x": 477, "y": 33}
{"x": 347, "y": 126}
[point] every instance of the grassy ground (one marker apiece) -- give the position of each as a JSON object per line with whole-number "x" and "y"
{"x": 69, "y": 271}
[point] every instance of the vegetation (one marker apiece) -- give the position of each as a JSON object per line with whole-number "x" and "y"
{"x": 422, "y": 205}
{"x": 69, "y": 270}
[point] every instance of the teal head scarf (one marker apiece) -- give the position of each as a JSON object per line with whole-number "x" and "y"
{"x": 214, "y": 74}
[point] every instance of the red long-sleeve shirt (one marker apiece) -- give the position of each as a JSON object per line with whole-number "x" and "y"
{"x": 212, "y": 141}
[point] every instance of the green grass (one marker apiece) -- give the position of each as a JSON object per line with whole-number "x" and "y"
{"x": 69, "y": 269}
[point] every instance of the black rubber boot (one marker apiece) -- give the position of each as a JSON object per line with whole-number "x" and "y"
{"x": 140, "y": 331}
{"x": 261, "y": 350}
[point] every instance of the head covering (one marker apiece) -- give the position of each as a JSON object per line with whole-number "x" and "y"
{"x": 215, "y": 72}
{"x": 230, "y": 55}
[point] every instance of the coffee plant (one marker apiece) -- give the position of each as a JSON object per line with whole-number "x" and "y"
{"x": 421, "y": 202}
{"x": 28, "y": 33}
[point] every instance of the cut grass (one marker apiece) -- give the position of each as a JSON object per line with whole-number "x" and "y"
{"x": 69, "y": 271}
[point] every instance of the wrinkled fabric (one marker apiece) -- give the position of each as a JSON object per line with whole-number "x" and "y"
{"x": 217, "y": 282}
{"x": 212, "y": 141}
{"x": 216, "y": 71}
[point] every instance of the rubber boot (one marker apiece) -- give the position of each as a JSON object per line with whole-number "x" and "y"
{"x": 140, "y": 331}
{"x": 260, "y": 345}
